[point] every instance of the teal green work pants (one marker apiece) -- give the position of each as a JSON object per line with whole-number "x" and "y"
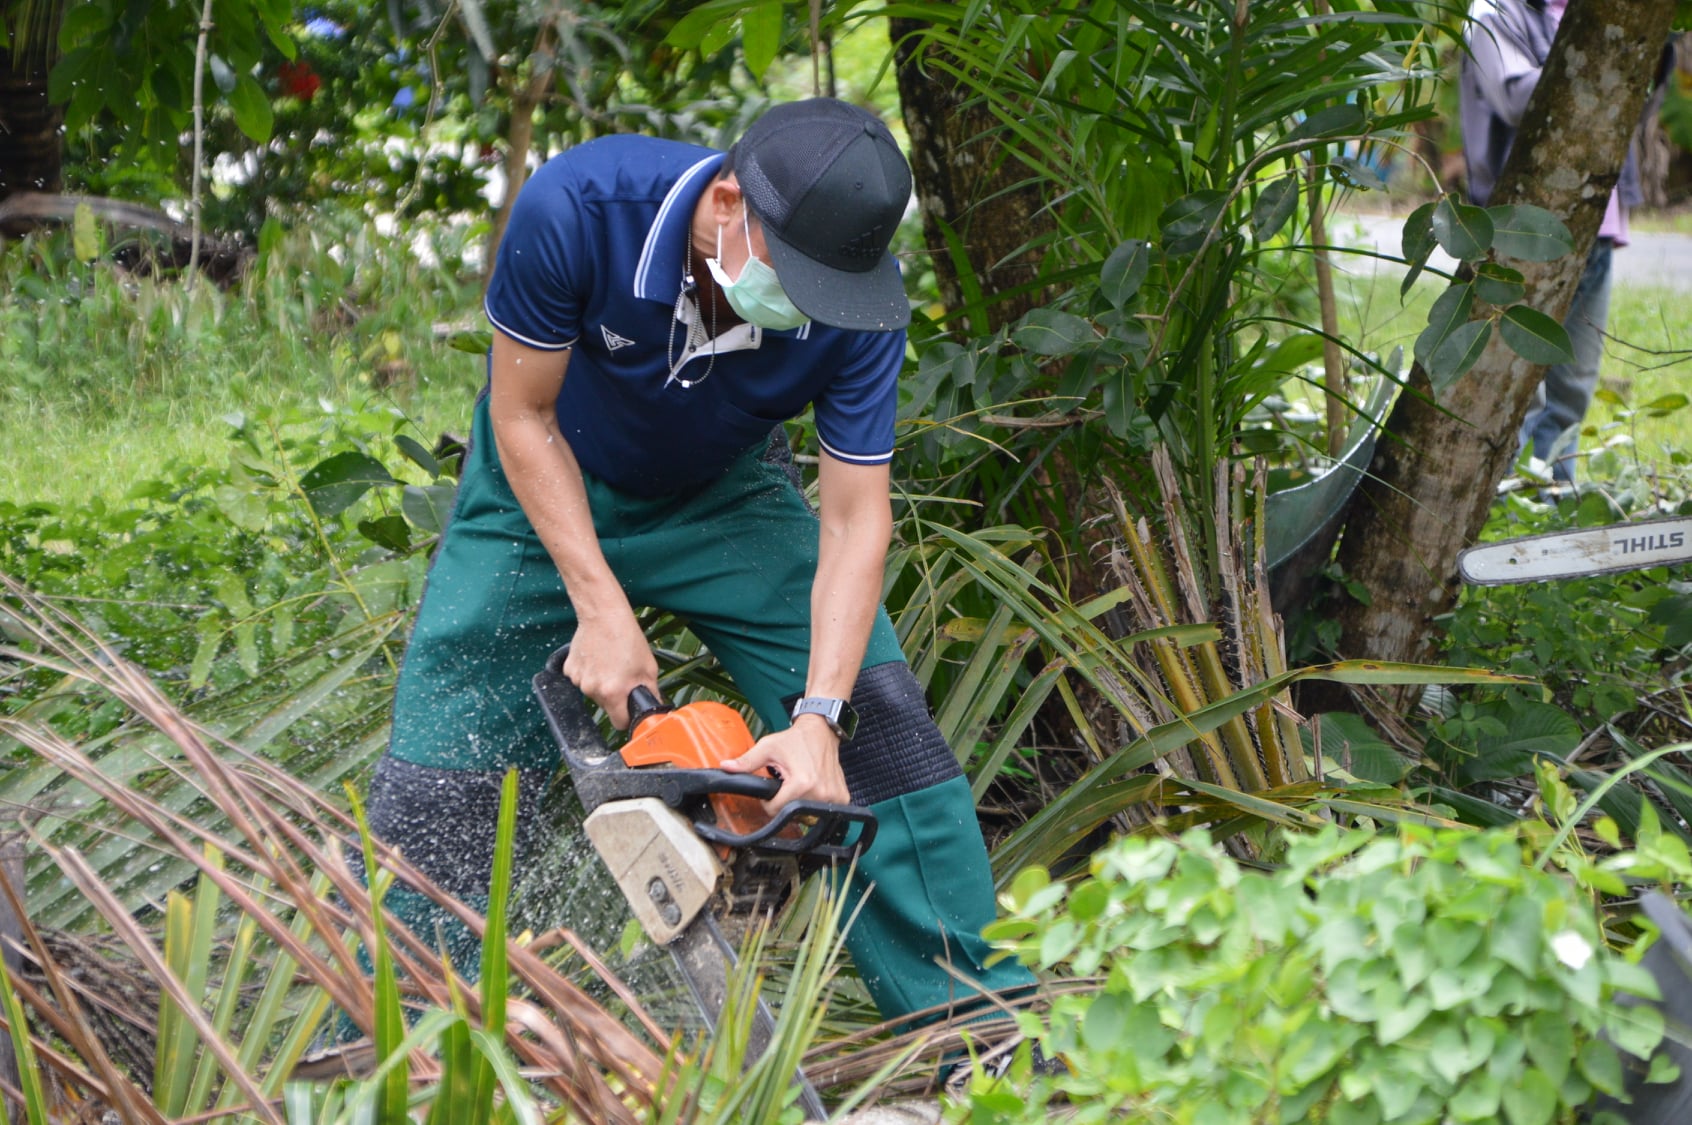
{"x": 736, "y": 562}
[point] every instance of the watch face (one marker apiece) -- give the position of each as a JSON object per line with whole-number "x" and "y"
{"x": 837, "y": 713}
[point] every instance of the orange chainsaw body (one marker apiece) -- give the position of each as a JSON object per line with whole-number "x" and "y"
{"x": 700, "y": 735}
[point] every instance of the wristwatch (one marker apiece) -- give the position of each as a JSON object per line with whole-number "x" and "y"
{"x": 837, "y": 713}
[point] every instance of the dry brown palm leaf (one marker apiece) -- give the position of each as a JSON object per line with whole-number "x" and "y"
{"x": 280, "y": 835}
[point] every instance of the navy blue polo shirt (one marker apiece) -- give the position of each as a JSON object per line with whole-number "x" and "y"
{"x": 593, "y": 261}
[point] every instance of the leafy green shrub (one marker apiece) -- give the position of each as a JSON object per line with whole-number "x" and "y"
{"x": 1438, "y": 975}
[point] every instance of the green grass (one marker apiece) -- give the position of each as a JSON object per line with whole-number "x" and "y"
{"x": 106, "y": 378}
{"x": 1677, "y": 220}
{"x": 1647, "y": 326}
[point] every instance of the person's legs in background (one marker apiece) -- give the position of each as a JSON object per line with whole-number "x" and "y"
{"x": 1561, "y": 401}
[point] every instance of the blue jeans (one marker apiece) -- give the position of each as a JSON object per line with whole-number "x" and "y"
{"x": 1559, "y": 403}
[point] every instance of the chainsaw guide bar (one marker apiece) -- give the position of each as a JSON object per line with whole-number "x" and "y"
{"x": 1580, "y": 553}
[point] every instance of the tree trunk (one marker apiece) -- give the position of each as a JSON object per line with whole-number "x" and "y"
{"x": 1435, "y": 473}
{"x": 525, "y": 100}
{"x": 31, "y": 149}
{"x": 965, "y": 185}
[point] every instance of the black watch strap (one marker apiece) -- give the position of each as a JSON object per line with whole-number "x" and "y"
{"x": 837, "y": 713}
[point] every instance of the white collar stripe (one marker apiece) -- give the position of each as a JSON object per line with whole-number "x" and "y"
{"x": 647, "y": 251}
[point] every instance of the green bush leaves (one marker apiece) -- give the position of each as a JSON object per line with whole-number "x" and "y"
{"x": 1435, "y": 975}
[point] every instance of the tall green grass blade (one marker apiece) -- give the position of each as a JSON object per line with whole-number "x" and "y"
{"x": 390, "y": 1095}
{"x": 228, "y": 1000}
{"x": 270, "y": 1016}
{"x": 1011, "y": 730}
{"x": 455, "y": 1096}
{"x": 494, "y": 969}
{"x": 190, "y": 930}
{"x": 23, "y": 1051}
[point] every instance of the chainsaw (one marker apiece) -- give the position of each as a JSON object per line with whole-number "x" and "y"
{"x": 690, "y": 845}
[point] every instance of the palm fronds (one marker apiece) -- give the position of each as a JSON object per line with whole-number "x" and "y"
{"x": 279, "y": 864}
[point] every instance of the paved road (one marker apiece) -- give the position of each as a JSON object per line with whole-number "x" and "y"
{"x": 1650, "y": 259}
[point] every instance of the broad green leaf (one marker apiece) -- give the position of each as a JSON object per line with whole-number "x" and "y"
{"x": 1550, "y": 1044}
{"x": 690, "y": 31}
{"x": 335, "y": 484}
{"x": 428, "y": 506}
{"x": 1518, "y": 936}
{"x": 65, "y": 79}
{"x": 760, "y": 36}
{"x": 1636, "y": 1029}
{"x": 1460, "y": 351}
{"x": 1535, "y": 337}
{"x": 1120, "y": 404}
{"x": 1498, "y": 285}
{"x": 1052, "y": 332}
{"x": 417, "y": 454}
{"x": 1292, "y": 353}
{"x": 1664, "y": 405}
{"x": 1528, "y": 233}
{"x": 1125, "y": 271}
{"x": 1477, "y": 1099}
{"x": 210, "y": 640}
{"x": 81, "y": 23}
{"x": 1417, "y": 242}
{"x": 1530, "y": 1100}
{"x": 717, "y": 36}
{"x": 1450, "y": 310}
{"x": 391, "y": 532}
{"x": 474, "y": 342}
{"x": 253, "y": 115}
{"x": 1186, "y": 223}
{"x": 1401, "y": 1019}
{"x": 1465, "y": 232}
{"x": 1275, "y": 205}
{"x": 1335, "y": 119}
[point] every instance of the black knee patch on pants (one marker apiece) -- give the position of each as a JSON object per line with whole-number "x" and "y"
{"x": 897, "y": 749}
{"x": 445, "y": 821}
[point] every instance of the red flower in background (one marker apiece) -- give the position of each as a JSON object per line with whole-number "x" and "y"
{"x": 299, "y": 80}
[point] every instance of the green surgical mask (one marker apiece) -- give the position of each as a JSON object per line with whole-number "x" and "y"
{"x": 756, "y": 295}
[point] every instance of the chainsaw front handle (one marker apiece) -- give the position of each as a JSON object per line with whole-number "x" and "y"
{"x": 826, "y": 839}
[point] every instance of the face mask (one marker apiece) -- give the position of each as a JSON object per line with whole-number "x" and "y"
{"x": 756, "y": 295}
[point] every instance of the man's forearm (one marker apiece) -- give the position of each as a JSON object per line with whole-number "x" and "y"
{"x": 547, "y": 481}
{"x": 856, "y": 527}
{"x": 844, "y": 601}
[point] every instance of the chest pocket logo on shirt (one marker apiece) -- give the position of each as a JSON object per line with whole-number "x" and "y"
{"x": 612, "y": 340}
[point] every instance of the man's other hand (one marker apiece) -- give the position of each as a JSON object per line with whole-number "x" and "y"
{"x": 806, "y": 756}
{"x": 609, "y": 658}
